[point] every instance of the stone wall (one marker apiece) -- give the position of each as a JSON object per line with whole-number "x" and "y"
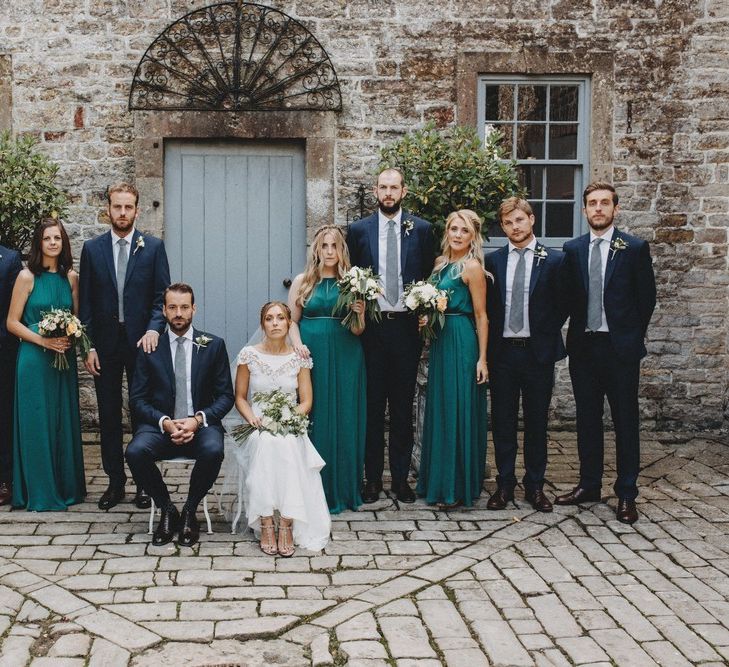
{"x": 400, "y": 63}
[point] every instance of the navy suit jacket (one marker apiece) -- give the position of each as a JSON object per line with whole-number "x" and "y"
{"x": 547, "y": 304}
{"x": 147, "y": 277}
{"x": 10, "y": 267}
{"x": 417, "y": 250}
{"x": 153, "y": 388}
{"x": 629, "y": 294}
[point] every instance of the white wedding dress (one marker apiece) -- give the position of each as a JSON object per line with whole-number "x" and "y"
{"x": 281, "y": 472}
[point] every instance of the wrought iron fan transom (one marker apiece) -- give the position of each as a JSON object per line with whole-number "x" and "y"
{"x": 235, "y": 56}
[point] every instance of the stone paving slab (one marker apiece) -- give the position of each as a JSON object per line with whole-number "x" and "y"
{"x": 398, "y": 585}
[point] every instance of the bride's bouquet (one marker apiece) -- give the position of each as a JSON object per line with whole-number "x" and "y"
{"x": 60, "y": 322}
{"x": 279, "y": 416}
{"x": 358, "y": 284}
{"x": 425, "y": 300}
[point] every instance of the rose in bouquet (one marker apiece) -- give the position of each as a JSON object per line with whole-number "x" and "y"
{"x": 358, "y": 284}
{"x": 279, "y": 416}
{"x": 59, "y": 323}
{"x": 425, "y": 300}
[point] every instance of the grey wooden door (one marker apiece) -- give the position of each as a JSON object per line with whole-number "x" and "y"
{"x": 235, "y": 228}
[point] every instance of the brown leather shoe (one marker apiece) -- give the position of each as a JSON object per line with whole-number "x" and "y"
{"x": 578, "y": 495}
{"x": 500, "y": 498}
{"x": 538, "y": 500}
{"x": 6, "y": 493}
{"x": 626, "y": 511}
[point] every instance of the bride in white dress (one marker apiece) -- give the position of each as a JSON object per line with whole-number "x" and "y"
{"x": 279, "y": 473}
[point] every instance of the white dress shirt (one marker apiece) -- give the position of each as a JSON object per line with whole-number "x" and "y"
{"x": 511, "y": 262}
{"x": 188, "y": 363}
{"x": 607, "y": 238}
{"x": 115, "y": 246}
{"x": 382, "y": 225}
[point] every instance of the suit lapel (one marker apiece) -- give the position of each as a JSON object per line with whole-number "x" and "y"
{"x": 134, "y": 250}
{"x": 536, "y": 268}
{"x": 501, "y": 258}
{"x": 613, "y": 258}
{"x": 108, "y": 252}
{"x": 583, "y": 251}
{"x": 372, "y": 238}
{"x": 405, "y": 243}
{"x": 196, "y": 361}
{"x": 166, "y": 352}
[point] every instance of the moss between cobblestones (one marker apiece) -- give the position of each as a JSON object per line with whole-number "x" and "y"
{"x": 40, "y": 647}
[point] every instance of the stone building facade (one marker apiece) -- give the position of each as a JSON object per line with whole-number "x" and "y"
{"x": 656, "y": 124}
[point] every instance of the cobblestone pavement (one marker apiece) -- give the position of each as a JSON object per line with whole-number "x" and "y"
{"x": 402, "y": 586}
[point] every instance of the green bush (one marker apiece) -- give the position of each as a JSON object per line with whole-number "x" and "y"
{"x": 450, "y": 169}
{"x": 28, "y": 191}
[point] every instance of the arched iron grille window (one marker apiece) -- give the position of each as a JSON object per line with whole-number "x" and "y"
{"x": 235, "y": 56}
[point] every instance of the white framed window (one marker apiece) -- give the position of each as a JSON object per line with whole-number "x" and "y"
{"x": 544, "y": 122}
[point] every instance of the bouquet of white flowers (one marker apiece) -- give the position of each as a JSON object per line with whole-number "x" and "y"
{"x": 279, "y": 416}
{"x": 358, "y": 284}
{"x": 60, "y": 322}
{"x": 424, "y": 299}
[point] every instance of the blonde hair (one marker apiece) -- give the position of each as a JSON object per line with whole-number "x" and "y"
{"x": 312, "y": 271}
{"x": 475, "y": 250}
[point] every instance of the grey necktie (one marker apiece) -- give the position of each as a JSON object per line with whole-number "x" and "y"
{"x": 180, "y": 380}
{"x": 391, "y": 270}
{"x": 594, "y": 298}
{"x": 516, "y": 315}
{"x": 121, "y": 274}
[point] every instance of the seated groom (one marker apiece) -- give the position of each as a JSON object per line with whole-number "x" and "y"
{"x": 180, "y": 393}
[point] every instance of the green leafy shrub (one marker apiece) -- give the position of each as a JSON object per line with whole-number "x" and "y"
{"x": 450, "y": 169}
{"x": 28, "y": 191}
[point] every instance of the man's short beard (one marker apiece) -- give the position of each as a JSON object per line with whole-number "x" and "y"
{"x": 389, "y": 210}
{"x": 602, "y": 225}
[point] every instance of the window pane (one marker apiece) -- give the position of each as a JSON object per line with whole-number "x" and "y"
{"x": 562, "y": 142}
{"x": 537, "y": 208}
{"x": 531, "y": 179}
{"x": 500, "y": 102}
{"x": 494, "y": 230}
{"x": 560, "y": 182}
{"x": 507, "y": 138}
{"x": 563, "y": 103}
{"x": 560, "y": 218}
{"x": 532, "y": 103}
{"x": 530, "y": 142}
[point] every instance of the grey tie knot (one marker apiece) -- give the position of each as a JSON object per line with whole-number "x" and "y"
{"x": 180, "y": 340}
{"x": 596, "y": 242}
{"x": 520, "y": 251}
{"x": 121, "y": 242}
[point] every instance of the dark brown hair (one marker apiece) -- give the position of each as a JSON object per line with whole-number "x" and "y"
{"x": 598, "y": 185}
{"x": 122, "y": 187}
{"x": 35, "y": 256}
{"x": 181, "y": 288}
{"x": 271, "y": 304}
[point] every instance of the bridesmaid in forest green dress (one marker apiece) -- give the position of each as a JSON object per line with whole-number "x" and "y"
{"x": 338, "y": 376}
{"x": 453, "y": 458}
{"x": 48, "y": 465}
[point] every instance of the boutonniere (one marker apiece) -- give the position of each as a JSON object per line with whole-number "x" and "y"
{"x": 202, "y": 341}
{"x": 617, "y": 244}
{"x": 540, "y": 253}
{"x": 139, "y": 244}
{"x": 406, "y": 224}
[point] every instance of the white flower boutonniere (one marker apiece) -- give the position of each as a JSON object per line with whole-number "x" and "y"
{"x": 617, "y": 245}
{"x": 139, "y": 244}
{"x": 406, "y": 224}
{"x": 540, "y": 253}
{"x": 202, "y": 341}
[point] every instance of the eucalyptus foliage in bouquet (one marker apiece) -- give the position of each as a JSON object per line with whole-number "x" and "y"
{"x": 425, "y": 300}
{"x": 60, "y": 322}
{"x": 358, "y": 284}
{"x": 279, "y": 416}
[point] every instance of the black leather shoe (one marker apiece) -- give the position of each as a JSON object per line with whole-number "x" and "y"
{"x": 500, "y": 498}
{"x": 6, "y": 493}
{"x": 113, "y": 495}
{"x": 578, "y": 495}
{"x": 169, "y": 522}
{"x": 371, "y": 492}
{"x": 626, "y": 511}
{"x": 142, "y": 500}
{"x": 538, "y": 500}
{"x": 403, "y": 492}
{"x": 189, "y": 529}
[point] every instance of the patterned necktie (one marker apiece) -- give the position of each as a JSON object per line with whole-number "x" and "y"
{"x": 121, "y": 274}
{"x": 594, "y": 298}
{"x": 391, "y": 270}
{"x": 180, "y": 380}
{"x": 516, "y": 315}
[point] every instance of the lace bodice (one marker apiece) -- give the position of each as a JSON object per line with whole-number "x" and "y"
{"x": 272, "y": 371}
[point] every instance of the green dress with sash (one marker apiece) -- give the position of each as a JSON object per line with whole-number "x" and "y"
{"x": 48, "y": 464}
{"x": 339, "y": 415}
{"x": 453, "y": 457}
